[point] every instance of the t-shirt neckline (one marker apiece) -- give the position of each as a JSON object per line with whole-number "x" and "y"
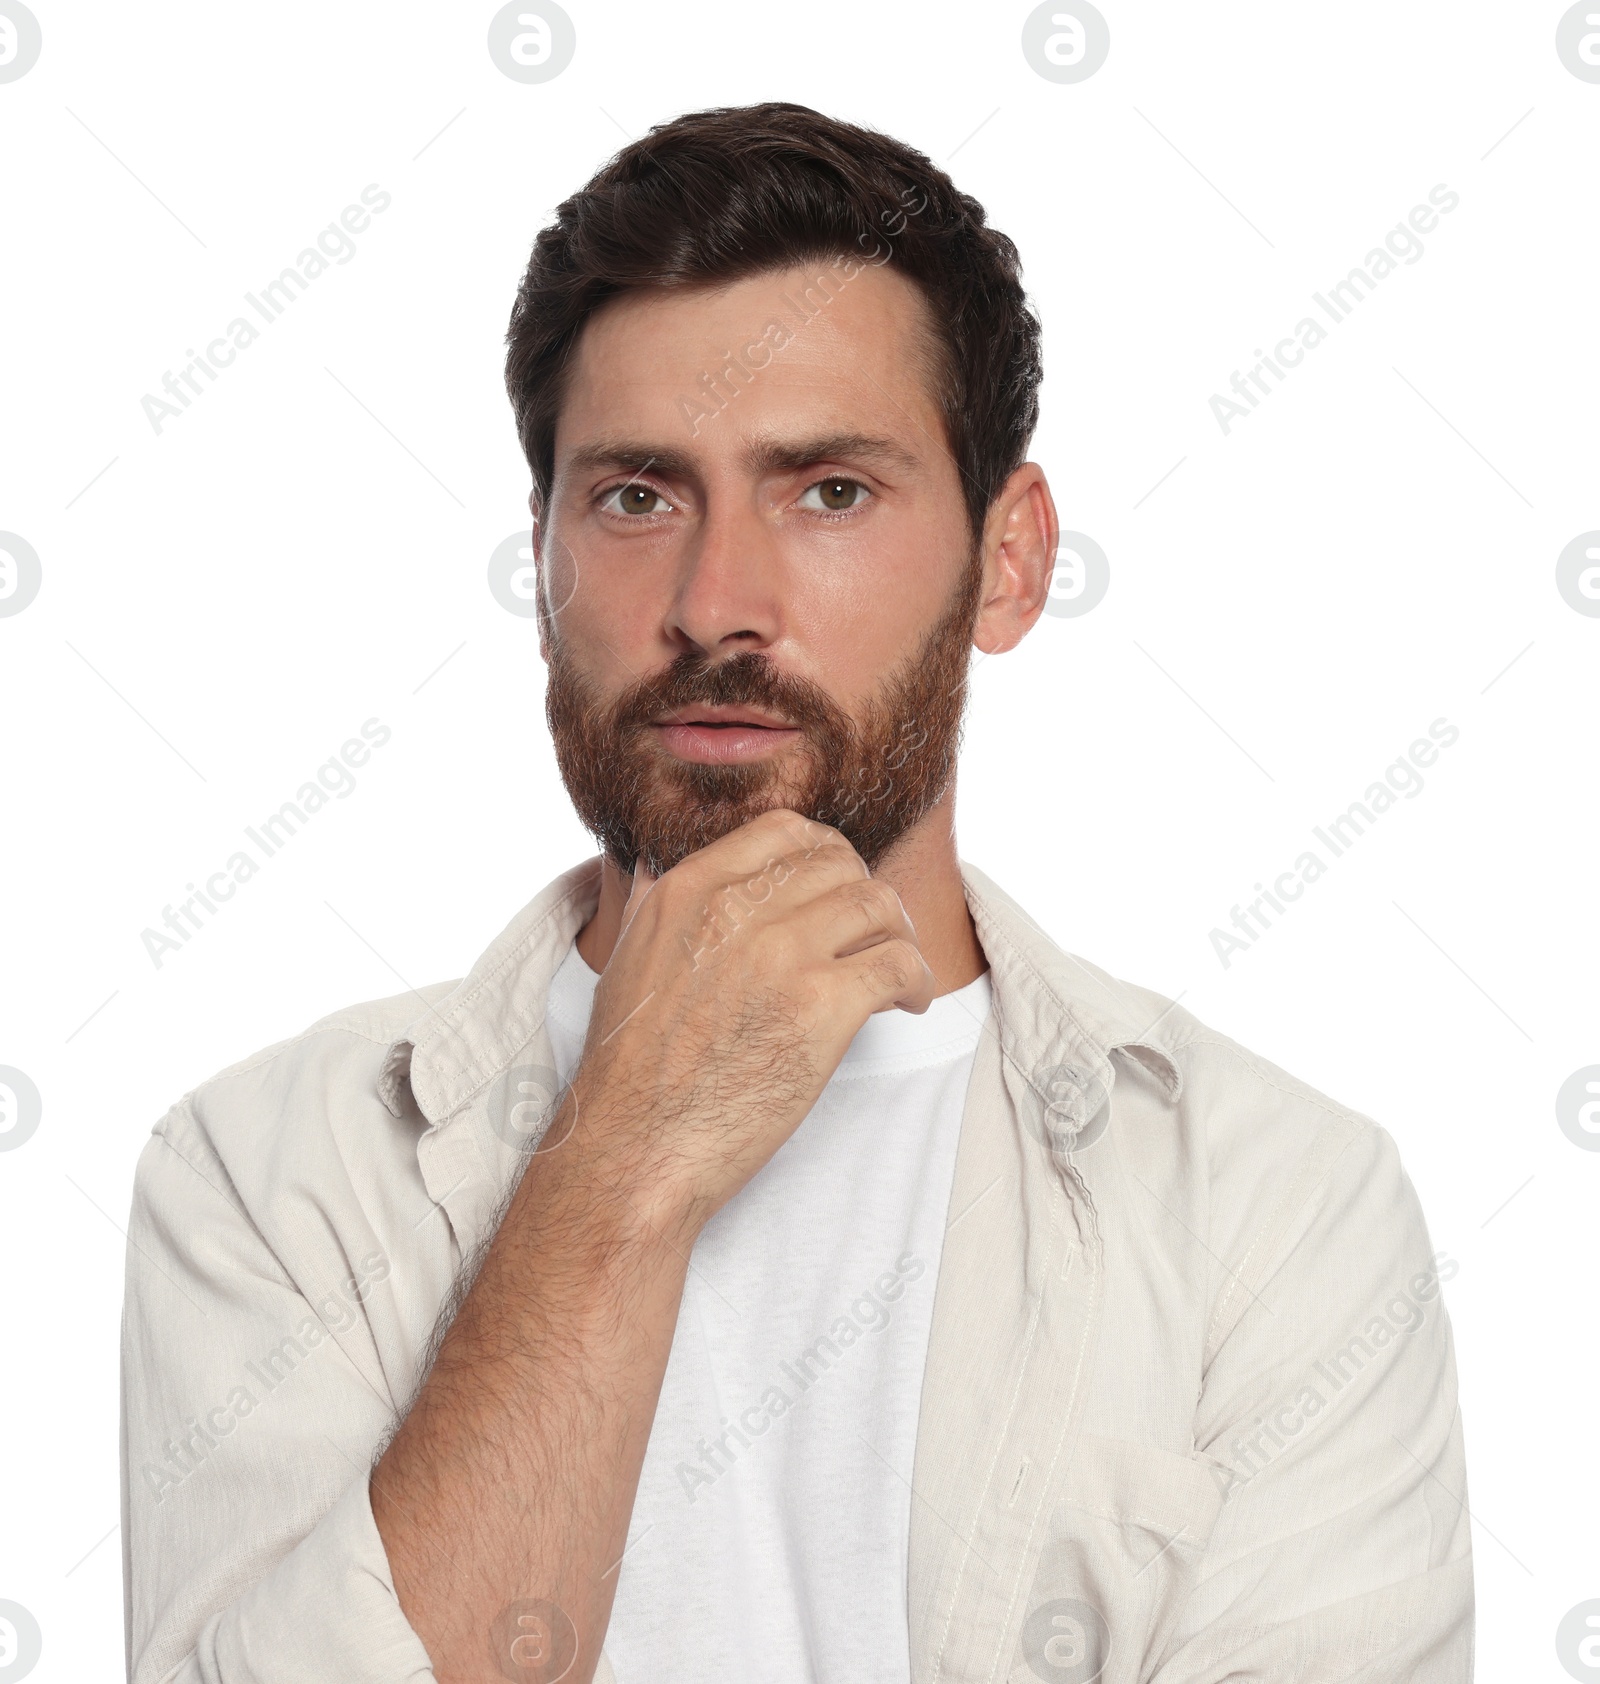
{"x": 950, "y": 1028}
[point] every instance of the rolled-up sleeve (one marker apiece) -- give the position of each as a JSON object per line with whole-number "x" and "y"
{"x": 250, "y": 1414}
{"x": 1328, "y": 1413}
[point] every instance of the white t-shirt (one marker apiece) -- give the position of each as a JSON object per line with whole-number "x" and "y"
{"x": 769, "y": 1535}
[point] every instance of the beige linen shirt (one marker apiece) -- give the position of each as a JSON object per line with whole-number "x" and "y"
{"x": 1189, "y": 1412}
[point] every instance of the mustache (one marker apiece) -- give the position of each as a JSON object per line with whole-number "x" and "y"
{"x": 872, "y": 771}
{"x": 746, "y": 679}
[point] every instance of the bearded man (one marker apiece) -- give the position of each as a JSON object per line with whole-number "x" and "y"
{"x": 776, "y": 1259}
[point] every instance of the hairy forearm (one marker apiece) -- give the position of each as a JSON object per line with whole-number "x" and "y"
{"x": 513, "y": 1475}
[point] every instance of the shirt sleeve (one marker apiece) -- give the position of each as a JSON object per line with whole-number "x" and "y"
{"x": 1328, "y": 1413}
{"x": 250, "y": 1417}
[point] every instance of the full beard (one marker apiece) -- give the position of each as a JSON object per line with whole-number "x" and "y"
{"x": 871, "y": 776}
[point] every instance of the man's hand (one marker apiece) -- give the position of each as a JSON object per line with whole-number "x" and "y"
{"x": 737, "y": 983}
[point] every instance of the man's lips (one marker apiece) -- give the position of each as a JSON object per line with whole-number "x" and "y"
{"x": 716, "y": 735}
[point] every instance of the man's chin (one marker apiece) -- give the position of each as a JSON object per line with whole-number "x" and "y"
{"x": 670, "y": 832}
{"x": 738, "y": 790}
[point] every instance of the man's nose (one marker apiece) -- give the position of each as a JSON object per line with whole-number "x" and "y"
{"x": 730, "y": 588}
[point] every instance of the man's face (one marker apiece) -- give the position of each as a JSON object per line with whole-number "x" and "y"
{"x": 763, "y": 599}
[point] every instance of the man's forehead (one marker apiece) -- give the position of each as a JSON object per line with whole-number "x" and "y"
{"x": 782, "y": 363}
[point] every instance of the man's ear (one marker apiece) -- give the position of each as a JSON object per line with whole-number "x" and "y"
{"x": 1020, "y": 535}
{"x": 536, "y": 510}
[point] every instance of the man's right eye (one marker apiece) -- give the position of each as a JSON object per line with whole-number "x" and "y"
{"x": 634, "y": 499}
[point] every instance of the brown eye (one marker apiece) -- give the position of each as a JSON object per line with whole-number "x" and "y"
{"x": 636, "y": 500}
{"x": 837, "y": 493}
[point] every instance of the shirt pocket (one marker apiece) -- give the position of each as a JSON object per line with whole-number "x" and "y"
{"x": 1122, "y": 1551}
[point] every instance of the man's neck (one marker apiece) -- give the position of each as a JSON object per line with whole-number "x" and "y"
{"x": 922, "y": 868}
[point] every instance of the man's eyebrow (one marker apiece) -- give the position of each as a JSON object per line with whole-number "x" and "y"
{"x": 628, "y": 456}
{"x": 778, "y": 455}
{"x": 762, "y": 456}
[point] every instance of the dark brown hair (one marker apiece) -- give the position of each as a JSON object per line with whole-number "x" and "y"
{"x": 715, "y": 196}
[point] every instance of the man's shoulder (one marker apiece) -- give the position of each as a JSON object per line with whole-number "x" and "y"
{"x": 1243, "y": 1101}
{"x": 354, "y": 1034}
{"x": 1201, "y": 1070}
{"x": 1250, "y": 1085}
{"x": 1257, "y": 1160}
{"x": 1237, "y": 1142}
{"x": 293, "y": 1096}
{"x": 1257, "y": 1152}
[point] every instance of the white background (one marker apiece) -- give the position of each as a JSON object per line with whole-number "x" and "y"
{"x": 1292, "y": 604}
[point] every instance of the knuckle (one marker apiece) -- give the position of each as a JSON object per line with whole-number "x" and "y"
{"x": 878, "y": 904}
{"x": 837, "y": 857}
{"x": 762, "y": 885}
{"x": 882, "y": 900}
{"x": 813, "y": 864}
{"x": 896, "y": 964}
{"x": 794, "y": 827}
{"x": 814, "y": 829}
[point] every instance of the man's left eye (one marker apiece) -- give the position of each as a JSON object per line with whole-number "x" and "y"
{"x": 634, "y": 499}
{"x": 835, "y": 492}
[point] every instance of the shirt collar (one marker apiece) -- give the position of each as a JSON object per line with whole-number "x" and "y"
{"x": 1052, "y": 1010}
{"x": 447, "y": 1053}
{"x": 1055, "y": 1011}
